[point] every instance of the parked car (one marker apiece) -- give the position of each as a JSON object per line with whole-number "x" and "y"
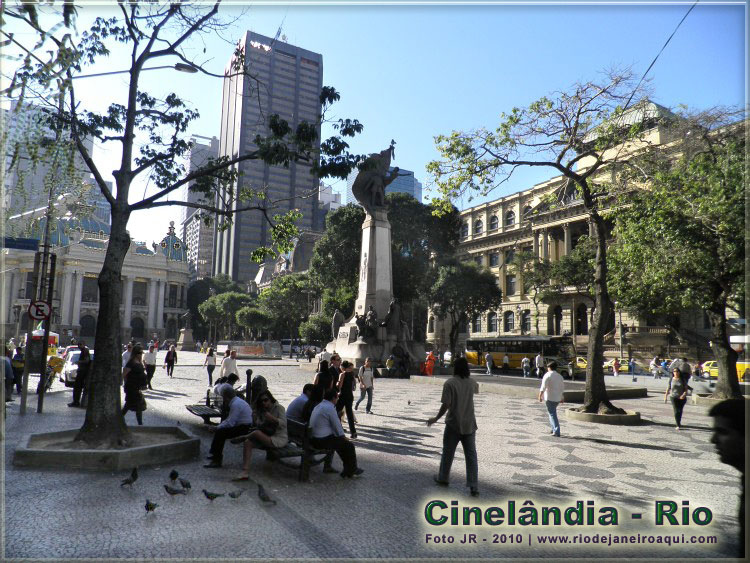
{"x": 70, "y": 369}
{"x": 581, "y": 362}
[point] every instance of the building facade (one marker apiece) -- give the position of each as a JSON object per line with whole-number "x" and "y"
{"x": 405, "y": 183}
{"x": 155, "y": 282}
{"x": 287, "y": 81}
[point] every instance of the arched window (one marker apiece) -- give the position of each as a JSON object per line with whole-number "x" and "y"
{"x": 88, "y": 326}
{"x": 478, "y": 227}
{"x": 509, "y": 322}
{"x": 493, "y": 222}
{"x": 526, "y": 213}
{"x": 476, "y": 323}
{"x": 464, "y": 230}
{"x": 510, "y": 218}
{"x": 431, "y": 325}
{"x": 526, "y": 321}
{"x": 137, "y": 328}
{"x": 172, "y": 328}
{"x": 492, "y": 322}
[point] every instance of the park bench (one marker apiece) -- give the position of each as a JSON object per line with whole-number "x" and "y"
{"x": 298, "y": 446}
{"x": 205, "y": 412}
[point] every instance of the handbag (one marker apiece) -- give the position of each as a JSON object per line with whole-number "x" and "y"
{"x": 268, "y": 427}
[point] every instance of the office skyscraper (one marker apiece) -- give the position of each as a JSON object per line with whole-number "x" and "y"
{"x": 286, "y": 80}
{"x": 405, "y": 183}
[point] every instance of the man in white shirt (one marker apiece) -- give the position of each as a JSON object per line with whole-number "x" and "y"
{"x": 526, "y": 366}
{"x": 126, "y": 355}
{"x": 328, "y": 434}
{"x": 506, "y": 362}
{"x": 539, "y": 364}
{"x": 238, "y": 423}
{"x": 488, "y": 362}
{"x": 229, "y": 365}
{"x": 552, "y": 388}
{"x": 149, "y": 360}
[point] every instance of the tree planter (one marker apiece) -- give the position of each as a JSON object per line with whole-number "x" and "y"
{"x": 630, "y": 418}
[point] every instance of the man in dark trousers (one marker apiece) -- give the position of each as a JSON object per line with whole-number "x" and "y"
{"x": 82, "y": 374}
{"x": 729, "y": 439}
{"x": 328, "y": 434}
{"x": 238, "y": 423}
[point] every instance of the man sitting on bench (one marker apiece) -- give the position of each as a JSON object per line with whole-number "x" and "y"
{"x": 270, "y": 420}
{"x": 237, "y": 423}
{"x": 295, "y": 408}
{"x": 328, "y": 434}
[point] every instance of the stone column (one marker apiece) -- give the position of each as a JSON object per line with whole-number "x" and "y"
{"x": 128, "y": 299}
{"x": 375, "y": 275}
{"x": 151, "y": 320}
{"x": 77, "y": 293}
{"x": 545, "y": 244}
{"x": 568, "y": 241}
{"x": 160, "y": 304}
{"x": 66, "y": 299}
{"x": 8, "y": 281}
{"x": 536, "y": 244}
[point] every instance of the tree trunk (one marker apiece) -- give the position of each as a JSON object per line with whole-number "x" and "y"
{"x": 596, "y": 399}
{"x": 727, "y": 385}
{"x": 104, "y": 424}
{"x": 453, "y": 337}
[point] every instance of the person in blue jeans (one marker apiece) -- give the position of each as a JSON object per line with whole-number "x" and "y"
{"x": 552, "y": 389}
{"x": 460, "y": 425}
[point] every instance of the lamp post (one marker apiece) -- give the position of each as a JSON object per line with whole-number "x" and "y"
{"x": 181, "y": 67}
{"x": 619, "y": 326}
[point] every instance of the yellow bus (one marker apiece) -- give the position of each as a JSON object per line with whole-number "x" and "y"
{"x": 739, "y": 343}
{"x": 558, "y": 348}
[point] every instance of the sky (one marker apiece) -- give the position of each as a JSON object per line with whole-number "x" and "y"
{"x": 411, "y": 72}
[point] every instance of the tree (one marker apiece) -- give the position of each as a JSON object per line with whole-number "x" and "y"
{"x": 253, "y": 318}
{"x": 316, "y": 329}
{"x": 694, "y": 209}
{"x": 460, "y": 291}
{"x": 286, "y": 303}
{"x": 577, "y": 134}
{"x": 156, "y": 32}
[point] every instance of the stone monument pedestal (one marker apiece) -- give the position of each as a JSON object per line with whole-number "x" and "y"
{"x": 186, "y": 342}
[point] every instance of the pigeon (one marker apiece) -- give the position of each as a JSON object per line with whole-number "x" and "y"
{"x": 150, "y": 506}
{"x": 236, "y": 494}
{"x": 185, "y": 484}
{"x": 408, "y": 402}
{"x": 264, "y": 495}
{"x": 173, "y": 475}
{"x": 130, "y": 480}
{"x": 211, "y": 496}
{"x": 172, "y": 491}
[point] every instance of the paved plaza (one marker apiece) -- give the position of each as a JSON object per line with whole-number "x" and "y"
{"x": 76, "y": 514}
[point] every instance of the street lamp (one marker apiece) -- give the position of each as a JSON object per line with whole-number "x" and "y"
{"x": 619, "y": 325}
{"x": 181, "y": 67}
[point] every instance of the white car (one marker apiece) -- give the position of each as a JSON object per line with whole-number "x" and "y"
{"x": 70, "y": 369}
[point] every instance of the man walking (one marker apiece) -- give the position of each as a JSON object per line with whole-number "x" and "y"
{"x": 460, "y": 425}
{"x": 149, "y": 360}
{"x": 488, "y": 362}
{"x": 526, "y": 366}
{"x": 82, "y": 374}
{"x": 366, "y": 378}
{"x": 539, "y": 364}
{"x": 552, "y": 389}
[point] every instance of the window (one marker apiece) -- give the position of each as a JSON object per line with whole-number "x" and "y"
{"x": 476, "y": 324}
{"x": 526, "y": 212}
{"x": 509, "y": 255}
{"x": 509, "y": 319}
{"x": 495, "y": 259}
{"x": 510, "y": 284}
{"x": 478, "y": 227}
{"x": 90, "y": 290}
{"x": 526, "y": 321}
{"x": 493, "y": 222}
{"x": 172, "y": 298}
{"x": 510, "y": 218}
{"x": 137, "y": 328}
{"x": 140, "y": 289}
{"x": 464, "y": 230}
{"x": 492, "y": 322}
{"x": 431, "y": 325}
{"x": 478, "y": 260}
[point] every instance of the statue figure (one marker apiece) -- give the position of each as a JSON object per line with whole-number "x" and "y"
{"x": 187, "y": 317}
{"x": 392, "y": 320}
{"x": 372, "y": 320}
{"x": 405, "y": 333}
{"x": 372, "y": 179}
{"x": 336, "y": 322}
{"x": 361, "y": 323}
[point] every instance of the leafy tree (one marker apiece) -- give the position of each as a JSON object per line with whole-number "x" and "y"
{"x": 156, "y": 32}
{"x": 286, "y": 303}
{"x": 253, "y": 319}
{"x": 461, "y": 290}
{"x": 223, "y": 283}
{"x": 211, "y": 313}
{"x": 680, "y": 244}
{"x": 576, "y": 134}
{"x": 316, "y": 329}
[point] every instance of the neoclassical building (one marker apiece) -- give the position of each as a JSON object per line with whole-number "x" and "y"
{"x": 155, "y": 282}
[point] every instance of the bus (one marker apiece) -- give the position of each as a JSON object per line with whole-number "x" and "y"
{"x": 558, "y": 348}
{"x": 740, "y": 344}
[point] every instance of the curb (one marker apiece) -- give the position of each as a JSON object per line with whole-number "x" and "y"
{"x": 630, "y": 418}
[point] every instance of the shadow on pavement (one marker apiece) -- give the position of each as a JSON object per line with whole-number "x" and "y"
{"x": 626, "y": 444}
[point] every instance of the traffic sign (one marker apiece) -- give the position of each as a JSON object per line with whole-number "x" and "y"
{"x": 39, "y": 310}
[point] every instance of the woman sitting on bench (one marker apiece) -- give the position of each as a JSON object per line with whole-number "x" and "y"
{"x": 270, "y": 419}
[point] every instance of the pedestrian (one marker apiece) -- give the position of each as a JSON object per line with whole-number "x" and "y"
{"x": 697, "y": 370}
{"x": 149, "y": 360}
{"x": 539, "y": 365}
{"x": 526, "y": 366}
{"x": 17, "y": 362}
{"x": 210, "y": 365}
{"x": 346, "y": 385}
{"x": 328, "y": 434}
{"x": 655, "y": 367}
{"x": 552, "y": 389}
{"x": 729, "y": 439}
{"x": 677, "y": 392}
{"x": 323, "y": 378}
{"x": 506, "y": 362}
{"x": 82, "y": 374}
{"x": 632, "y": 366}
{"x": 488, "y": 362}
{"x": 390, "y": 365}
{"x": 126, "y": 354}
{"x": 665, "y": 368}
{"x": 229, "y": 364}
{"x": 170, "y": 360}
{"x": 324, "y": 355}
{"x": 685, "y": 369}
{"x": 238, "y": 422}
{"x": 134, "y": 375}
{"x": 366, "y": 378}
{"x": 616, "y": 367}
{"x": 430, "y": 363}
{"x": 460, "y": 425}
{"x": 8, "y": 375}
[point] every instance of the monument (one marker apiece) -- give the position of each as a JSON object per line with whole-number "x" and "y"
{"x": 186, "y": 342}
{"x": 363, "y": 335}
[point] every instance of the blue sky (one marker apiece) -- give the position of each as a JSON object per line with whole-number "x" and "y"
{"x": 412, "y": 72}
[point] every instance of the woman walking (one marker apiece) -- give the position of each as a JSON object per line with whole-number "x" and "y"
{"x": 677, "y": 391}
{"x": 210, "y": 364}
{"x": 346, "y": 396}
{"x": 135, "y": 378}
{"x": 170, "y": 360}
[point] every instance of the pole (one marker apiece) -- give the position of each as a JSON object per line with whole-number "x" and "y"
{"x": 47, "y": 322}
{"x": 29, "y": 346}
{"x": 619, "y": 316}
